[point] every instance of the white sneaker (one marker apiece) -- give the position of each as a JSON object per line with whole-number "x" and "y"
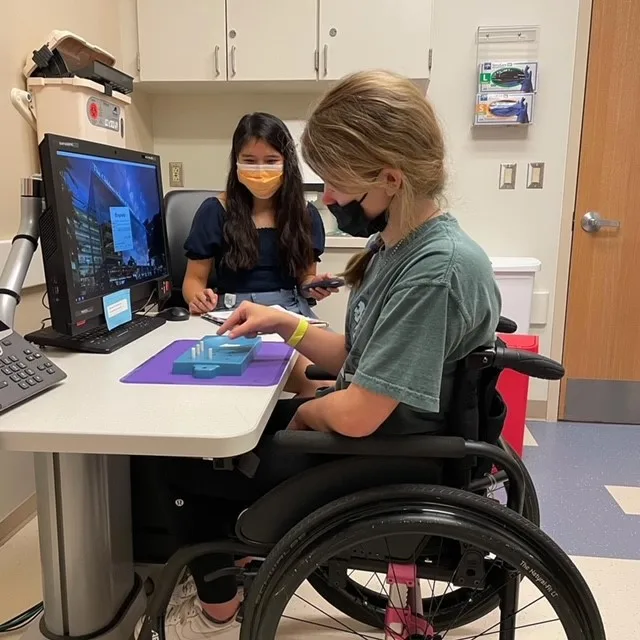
{"x": 187, "y": 621}
{"x": 183, "y": 591}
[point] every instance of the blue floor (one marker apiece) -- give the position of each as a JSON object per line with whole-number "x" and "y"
{"x": 571, "y": 466}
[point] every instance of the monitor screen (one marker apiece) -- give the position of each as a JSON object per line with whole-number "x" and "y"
{"x": 111, "y": 210}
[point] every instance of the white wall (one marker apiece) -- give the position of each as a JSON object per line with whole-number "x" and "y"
{"x": 196, "y": 130}
{"x": 25, "y": 28}
{"x": 520, "y": 222}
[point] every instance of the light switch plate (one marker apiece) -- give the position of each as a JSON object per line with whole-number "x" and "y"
{"x": 508, "y": 173}
{"x": 535, "y": 175}
{"x": 176, "y": 175}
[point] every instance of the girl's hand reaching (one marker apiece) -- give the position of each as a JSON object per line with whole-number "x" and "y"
{"x": 251, "y": 319}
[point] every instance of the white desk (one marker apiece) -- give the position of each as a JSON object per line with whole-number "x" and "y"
{"x": 93, "y": 412}
{"x": 83, "y": 489}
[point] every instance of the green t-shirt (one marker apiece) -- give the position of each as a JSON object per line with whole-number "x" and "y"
{"x": 424, "y": 305}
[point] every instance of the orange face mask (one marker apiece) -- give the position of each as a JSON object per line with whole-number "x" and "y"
{"x": 263, "y": 180}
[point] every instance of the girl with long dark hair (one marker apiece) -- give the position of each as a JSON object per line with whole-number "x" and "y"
{"x": 259, "y": 241}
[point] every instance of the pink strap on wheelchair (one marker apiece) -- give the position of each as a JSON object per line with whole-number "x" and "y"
{"x": 404, "y": 617}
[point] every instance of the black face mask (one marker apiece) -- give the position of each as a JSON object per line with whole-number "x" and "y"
{"x": 353, "y": 220}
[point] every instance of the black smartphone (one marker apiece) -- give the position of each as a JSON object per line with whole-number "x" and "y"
{"x": 331, "y": 283}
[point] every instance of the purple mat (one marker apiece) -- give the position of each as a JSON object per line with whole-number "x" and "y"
{"x": 265, "y": 371}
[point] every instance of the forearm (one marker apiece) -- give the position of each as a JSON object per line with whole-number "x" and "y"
{"x": 191, "y": 286}
{"x": 325, "y": 414}
{"x": 309, "y": 274}
{"x": 353, "y": 412}
{"x": 342, "y": 413}
{"x": 324, "y": 348}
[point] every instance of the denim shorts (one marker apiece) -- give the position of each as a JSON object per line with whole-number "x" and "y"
{"x": 289, "y": 299}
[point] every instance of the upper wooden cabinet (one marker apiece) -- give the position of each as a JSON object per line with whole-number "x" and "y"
{"x": 281, "y": 40}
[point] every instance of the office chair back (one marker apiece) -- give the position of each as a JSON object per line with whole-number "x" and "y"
{"x": 180, "y": 208}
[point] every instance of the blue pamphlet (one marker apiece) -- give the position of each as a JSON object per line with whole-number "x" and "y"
{"x": 121, "y": 229}
{"x": 117, "y": 308}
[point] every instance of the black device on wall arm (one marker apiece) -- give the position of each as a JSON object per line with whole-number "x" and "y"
{"x": 102, "y": 231}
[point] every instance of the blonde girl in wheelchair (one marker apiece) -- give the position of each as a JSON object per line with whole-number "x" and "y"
{"x": 381, "y": 480}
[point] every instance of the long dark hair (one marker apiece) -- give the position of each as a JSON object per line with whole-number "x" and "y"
{"x": 293, "y": 222}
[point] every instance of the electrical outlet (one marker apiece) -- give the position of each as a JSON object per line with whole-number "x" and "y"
{"x": 176, "y": 175}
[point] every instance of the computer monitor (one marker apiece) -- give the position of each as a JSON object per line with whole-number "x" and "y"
{"x": 102, "y": 229}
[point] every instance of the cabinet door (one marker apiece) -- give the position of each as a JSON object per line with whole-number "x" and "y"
{"x": 182, "y": 41}
{"x": 272, "y": 40}
{"x": 394, "y": 35}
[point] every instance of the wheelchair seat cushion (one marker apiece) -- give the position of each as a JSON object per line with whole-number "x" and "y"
{"x": 275, "y": 513}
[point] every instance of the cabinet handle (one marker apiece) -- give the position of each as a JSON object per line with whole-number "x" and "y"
{"x": 233, "y": 60}
{"x": 216, "y": 57}
{"x": 326, "y": 59}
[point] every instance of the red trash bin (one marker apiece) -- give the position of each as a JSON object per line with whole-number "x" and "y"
{"x": 514, "y": 388}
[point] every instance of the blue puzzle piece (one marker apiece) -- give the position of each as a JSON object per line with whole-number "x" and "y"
{"x": 217, "y": 356}
{"x": 205, "y": 371}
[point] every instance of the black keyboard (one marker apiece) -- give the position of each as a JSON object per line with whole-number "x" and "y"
{"x": 99, "y": 340}
{"x": 24, "y": 371}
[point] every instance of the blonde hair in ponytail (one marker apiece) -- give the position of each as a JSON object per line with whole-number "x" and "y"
{"x": 370, "y": 121}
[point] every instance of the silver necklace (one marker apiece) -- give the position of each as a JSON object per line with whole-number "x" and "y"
{"x": 409, "y": 236}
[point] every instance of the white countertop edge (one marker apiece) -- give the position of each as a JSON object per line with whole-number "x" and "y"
{"x": 512, "y": 264}
{"x": 345, "y": 242}
{"x": 124, "y": 444}
{"x": 516, "y": 265}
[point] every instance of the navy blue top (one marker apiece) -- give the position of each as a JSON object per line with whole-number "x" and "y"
{"x": 206, "y": 241}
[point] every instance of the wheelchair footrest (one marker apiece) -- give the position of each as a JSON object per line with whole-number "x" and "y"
{"x": 404, "y": 618}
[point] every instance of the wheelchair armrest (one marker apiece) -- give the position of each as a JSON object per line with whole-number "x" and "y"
{"x": 506, "y": 325}
{"x": 421, "y": 446}
{"x": 530, "y": 364}
{"x": 313, "y": 372}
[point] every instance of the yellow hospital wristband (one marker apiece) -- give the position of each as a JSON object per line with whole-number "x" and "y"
{"x": 299, "y": 333}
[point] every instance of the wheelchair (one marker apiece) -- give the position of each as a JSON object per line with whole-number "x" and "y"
{"x": 402, "y": 537}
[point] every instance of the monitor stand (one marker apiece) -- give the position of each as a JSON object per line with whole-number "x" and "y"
{"x": 99, "y": 340}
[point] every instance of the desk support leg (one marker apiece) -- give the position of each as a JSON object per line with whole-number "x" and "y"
{"x": 84, "y": 515}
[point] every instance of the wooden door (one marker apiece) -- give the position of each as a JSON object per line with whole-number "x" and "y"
{"x": 602, "y": 336}
{"x": 182, "y": 41}
{"x": 375, "y": 34}
{"x": 275, "y": 40}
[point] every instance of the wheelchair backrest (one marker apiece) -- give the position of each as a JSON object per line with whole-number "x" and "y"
{"x": 476, "y": 412}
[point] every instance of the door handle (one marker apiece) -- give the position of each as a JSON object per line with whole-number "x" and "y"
{"x": 216, "y": 57}
{"x": 326, "y": 59}
{"x": 233, "y": 60}
{"x": 592, "y": 222}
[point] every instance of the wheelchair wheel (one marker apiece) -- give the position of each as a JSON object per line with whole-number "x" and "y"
{"x": 443, "y": 533}
{"x": 364, "y": 601}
